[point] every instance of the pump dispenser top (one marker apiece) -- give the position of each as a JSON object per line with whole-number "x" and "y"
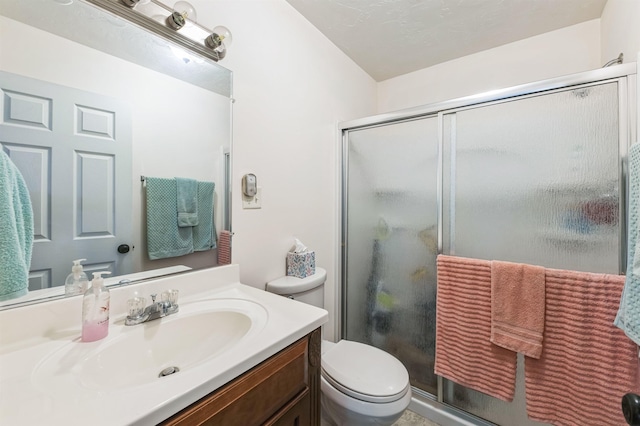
{"x": 77, "y": 281}
{"x": 95, "y": 309}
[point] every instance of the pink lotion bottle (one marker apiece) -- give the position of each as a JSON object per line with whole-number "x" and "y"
{"x": 95, "y": 310}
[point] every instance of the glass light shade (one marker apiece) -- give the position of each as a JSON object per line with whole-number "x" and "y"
{"x": 224, "y": 34}
{"x": 186, "y": 10}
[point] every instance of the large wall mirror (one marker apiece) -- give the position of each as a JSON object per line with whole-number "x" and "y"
{"x": 92, "y": 105}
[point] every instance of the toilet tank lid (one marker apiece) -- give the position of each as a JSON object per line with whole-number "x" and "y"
{"x": 292, "y": 285}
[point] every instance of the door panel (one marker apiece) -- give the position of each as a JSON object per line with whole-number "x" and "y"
{"x": 74, "y": 151}
{"x": 392, "y": 242}
{"x": 533, "y": 180}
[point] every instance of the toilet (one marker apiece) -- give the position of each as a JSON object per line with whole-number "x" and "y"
{"x": 361, "y": 384}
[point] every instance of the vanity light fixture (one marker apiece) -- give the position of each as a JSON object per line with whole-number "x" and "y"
{"x": 178, "y": 24}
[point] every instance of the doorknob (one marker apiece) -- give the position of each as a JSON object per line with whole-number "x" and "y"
{"x": 631, "y": 408}
{"x": 123, "y": 248}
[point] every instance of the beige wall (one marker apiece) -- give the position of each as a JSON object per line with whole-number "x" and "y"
{"x": 292, "y": 86}
{"x": 556, "y": 53}
{"x": 620, "y": 27}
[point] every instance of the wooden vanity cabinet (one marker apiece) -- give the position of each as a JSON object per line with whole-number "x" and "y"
{"x": 283, "y": 390}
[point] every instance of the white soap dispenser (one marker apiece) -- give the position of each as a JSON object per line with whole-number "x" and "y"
{"x": 77, "y": 281}
{"x": 95, "y": 310}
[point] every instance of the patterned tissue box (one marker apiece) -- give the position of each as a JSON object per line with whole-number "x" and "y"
{"x": 301, "y": 264}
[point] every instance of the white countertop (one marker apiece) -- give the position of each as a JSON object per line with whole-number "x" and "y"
{"x": 31, "y": 334}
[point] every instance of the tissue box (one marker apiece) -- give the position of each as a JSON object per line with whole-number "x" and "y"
{"x": 301, "y": 265}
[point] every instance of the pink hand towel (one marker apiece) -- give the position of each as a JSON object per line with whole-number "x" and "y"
{"x": 517, "y": 307}
{"x": 587, "y": 364}
{"x": 464, "y": 353}
{"x": 224, "y": 248}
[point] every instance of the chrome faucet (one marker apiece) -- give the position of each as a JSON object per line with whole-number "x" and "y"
{"x": 138, "y": 313}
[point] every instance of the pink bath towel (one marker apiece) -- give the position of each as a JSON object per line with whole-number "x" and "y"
{"x": 517, "y": 307}
{"x": 464, "y": 352}
{"x": 587, "y": 364}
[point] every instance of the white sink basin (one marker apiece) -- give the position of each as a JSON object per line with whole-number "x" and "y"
{"x": 137, "y": 355}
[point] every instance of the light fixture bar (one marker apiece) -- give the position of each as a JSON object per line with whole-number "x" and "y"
{"x": 191, "y": 36}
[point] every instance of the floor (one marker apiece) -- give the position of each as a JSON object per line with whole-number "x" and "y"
{"x": 409, "y": 418}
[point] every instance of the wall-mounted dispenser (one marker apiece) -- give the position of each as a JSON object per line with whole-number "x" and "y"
{"x": 251, "y": 197}
{"x": 249, "y": 185}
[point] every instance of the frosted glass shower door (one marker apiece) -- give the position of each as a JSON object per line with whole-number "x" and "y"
{"x": 533, "y": 180}
{"x": 391, "y": 242}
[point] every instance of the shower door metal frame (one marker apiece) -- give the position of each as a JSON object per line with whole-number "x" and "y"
{"x": 624, "y": 75}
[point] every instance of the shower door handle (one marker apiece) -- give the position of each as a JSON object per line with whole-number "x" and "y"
{"x": 631, "y": 408}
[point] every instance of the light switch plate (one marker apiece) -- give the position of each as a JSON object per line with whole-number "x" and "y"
{"x": 254, "y": 202}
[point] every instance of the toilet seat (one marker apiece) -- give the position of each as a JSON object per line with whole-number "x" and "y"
{"x": 364, "y": 372}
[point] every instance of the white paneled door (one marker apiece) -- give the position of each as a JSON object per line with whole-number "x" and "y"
{"x": 74, "y": 150}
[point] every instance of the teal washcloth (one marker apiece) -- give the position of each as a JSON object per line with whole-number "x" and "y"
{"x": 187, "y": 202}
{"x": 628, "y": 317}
{"x": 164, "y": 237}
{"x": 16, "y": 231}
{"x": 204, "y": 234}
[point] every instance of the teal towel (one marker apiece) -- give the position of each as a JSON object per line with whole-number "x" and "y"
{"x": 187, "y": 200}
{"x": 164, "y": 237}
{"x": 628, "y": 317}
{"x": 16, "y": 231}
{"x": 204, "y": 234}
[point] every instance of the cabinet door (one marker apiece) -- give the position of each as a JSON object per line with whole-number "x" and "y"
{"x": 296, "y": 413}
{"x": 280, "y": 391}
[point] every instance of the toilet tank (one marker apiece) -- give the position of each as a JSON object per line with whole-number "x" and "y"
{"x": 307, "y": 290}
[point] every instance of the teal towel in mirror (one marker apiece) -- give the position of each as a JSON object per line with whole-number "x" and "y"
{"x": 164, "y": 237}
{"x": 16, "y": 231}
{"x": 204, "y": 234}
{"x": 187, "y": 200}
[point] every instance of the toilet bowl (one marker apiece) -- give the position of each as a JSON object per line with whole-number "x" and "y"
{"x": 360, "y": 384}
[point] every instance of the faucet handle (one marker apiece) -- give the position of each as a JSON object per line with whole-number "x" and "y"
{"x": 170, "y": 296}
{"x": 136, "y": 307}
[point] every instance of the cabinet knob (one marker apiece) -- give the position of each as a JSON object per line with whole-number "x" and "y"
{"x": 123, "y": 248}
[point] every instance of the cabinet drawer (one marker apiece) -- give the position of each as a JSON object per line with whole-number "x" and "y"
{"x": 254, "y": 397}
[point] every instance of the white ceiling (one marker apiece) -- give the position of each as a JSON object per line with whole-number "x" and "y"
{"x": 388, "y": 38}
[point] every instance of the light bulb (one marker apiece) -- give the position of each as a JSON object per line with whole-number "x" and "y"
{"x": 186, "y": 10}
{"x": 219, "y": 40}
{"x": 224, "y": 34}
{"x": 182, "y": 11}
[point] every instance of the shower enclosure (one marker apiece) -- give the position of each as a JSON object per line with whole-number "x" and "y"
{"x": 532, "y": 174}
